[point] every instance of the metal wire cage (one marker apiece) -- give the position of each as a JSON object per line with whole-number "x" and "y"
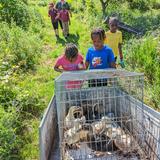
{"x": 101, "y": 116}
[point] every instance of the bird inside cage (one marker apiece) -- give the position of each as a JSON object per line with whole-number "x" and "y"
{"x": 101, "y": 143}
{"x": 91, "y": 111}
{"x": 74, "y": 118}
{"x": 73, "y": 124}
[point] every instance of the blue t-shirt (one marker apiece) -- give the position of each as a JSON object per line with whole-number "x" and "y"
{"x": 100, "y": 59}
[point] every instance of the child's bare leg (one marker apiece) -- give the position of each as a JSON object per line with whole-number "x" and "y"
{"x": 64, "y": 29}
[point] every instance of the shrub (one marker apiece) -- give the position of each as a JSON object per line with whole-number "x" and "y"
{"x": 10, "y": 142}
{"x": 14, "y": 11}
{"x": 143, "y": 55}
{"x": 43, "y": 3}
{"x": 37, "y": 23}
{"x": 142, "y": 5}
{"x": 27, "y": 104}
{"x": 19, "y": 48}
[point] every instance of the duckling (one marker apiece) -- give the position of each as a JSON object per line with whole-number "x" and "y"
{"x": 128, "y": 144}
{"x": 102, "y": 125}
{"x": 74, "y": 122}
{"x": 73, "y": 136}
{"x": 107, "y": 126}
{"x": 104, "y": 133}
{"x": 91, "y": 111}
{"x": 97, "y": 140}
{"x": 101, "y": 143}
{"x": 74, "y": 118}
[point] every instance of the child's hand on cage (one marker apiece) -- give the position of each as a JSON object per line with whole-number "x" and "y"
{"x": 81, "y": 66}
{"x": 58, "y": 69}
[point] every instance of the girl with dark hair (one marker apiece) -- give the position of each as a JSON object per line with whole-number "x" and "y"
{"x": 71, "y": 60}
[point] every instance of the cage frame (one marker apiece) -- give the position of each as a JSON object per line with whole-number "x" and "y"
{"x": 99, "y": 74}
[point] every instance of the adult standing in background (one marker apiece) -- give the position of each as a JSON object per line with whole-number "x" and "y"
{"x": 63, "y": 4}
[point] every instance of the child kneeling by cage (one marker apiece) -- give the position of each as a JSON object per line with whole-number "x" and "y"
{"x": 99, "y": 56}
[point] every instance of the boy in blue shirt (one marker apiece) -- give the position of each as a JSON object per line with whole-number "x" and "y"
{"x": 99, "y": 56}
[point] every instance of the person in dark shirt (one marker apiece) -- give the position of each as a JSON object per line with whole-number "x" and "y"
{"x": 62, "y": 4}
{"x": 53, "y": 14}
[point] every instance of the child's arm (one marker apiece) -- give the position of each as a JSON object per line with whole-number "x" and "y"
{"x": 81, "y": 66}
{"x": 70, "y": 13}
{"x": 111, "y": 59}
{"x": 87, "y": 59}
{"x": 120, "y": 51}
{"x": 69, "y": 18}
{"x": 49, "y": 13}
{"x": 58, "y": 64}
{"x": 120, "y": 46}
{"x": 56, "y": 68}
{"x": 121, "y": 55}
{"x": 58, "y": 16}
{"x": 87, "y": 64}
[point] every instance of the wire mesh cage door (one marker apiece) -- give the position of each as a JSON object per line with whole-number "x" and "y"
{"x": 101, "y": 116}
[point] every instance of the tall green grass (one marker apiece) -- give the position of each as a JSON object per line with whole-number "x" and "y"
{"x": 143, "y": 55}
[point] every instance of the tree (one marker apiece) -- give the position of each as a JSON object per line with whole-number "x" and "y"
{"x": 104, "y": 4}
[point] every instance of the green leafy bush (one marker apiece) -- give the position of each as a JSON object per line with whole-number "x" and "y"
{"x": 19, "y": 48}
{"x": 43, "y": 3}
{"x": 10, "y": 142}
{"x": 142, "y": 5}
{"x": 91, "y": 9}
{"x": 143, "y": 55}
{"x": 28, "y": 104}
{"x": 15, "y": 11}
{"x": 37, "y": 23}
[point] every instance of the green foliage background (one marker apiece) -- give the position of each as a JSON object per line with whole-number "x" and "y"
{"x": 28, "y": 50}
